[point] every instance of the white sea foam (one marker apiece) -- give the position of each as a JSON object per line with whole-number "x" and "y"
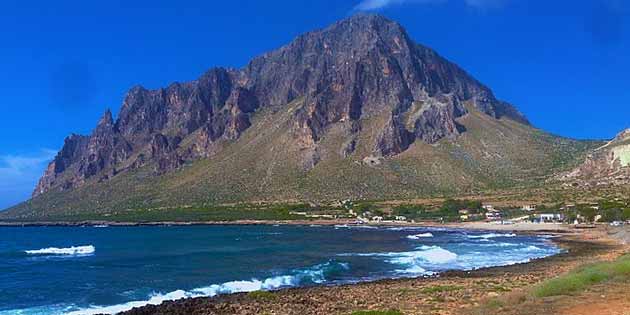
{"x": 491, "y": 235}
{"x": 74, "y": 250}
{"x": 405, "y": 228}
{"x": 419, "y": 236}
{"x": 414, "y": 261}
{"x": 415, "y": 270}
{"x": 423, "y": 228}
{"x": 159, "y": 298}
{"x": 530, "y": 248}
{"x": 315, "y": 274}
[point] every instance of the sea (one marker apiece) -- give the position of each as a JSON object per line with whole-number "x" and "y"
{"x": 106, "y": 270}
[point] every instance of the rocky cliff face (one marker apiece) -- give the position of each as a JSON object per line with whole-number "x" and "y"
{"x": 606, "y": 165}
{"x": 355, "y": 70}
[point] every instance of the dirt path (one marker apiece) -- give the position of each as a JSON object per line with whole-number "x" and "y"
{"x": 600, "y": 300}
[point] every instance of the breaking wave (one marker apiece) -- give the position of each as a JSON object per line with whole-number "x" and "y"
{"x": 71, "y": 251}
{"x": 429, "y": 260}
{"x": 419, "y": 236}
{"x": 415, "y": 261}
{"x": 491, "y": 235}
{"x": 313, "y": 275}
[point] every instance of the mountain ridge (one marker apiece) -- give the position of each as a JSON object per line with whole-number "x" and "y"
{"x": 358, "y": 98}
{"x": 240, "y": 93}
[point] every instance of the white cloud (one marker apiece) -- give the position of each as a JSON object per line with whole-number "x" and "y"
{"x": 373, "y": 5}
{"x": 17, "y": 164}
{"x": 19, "y": 175}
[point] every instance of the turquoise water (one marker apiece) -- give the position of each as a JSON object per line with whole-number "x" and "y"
{"x": 91, "y": 270}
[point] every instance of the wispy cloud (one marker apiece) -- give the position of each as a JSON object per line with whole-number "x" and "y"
{"x": 19, "y": 175}
{"x": 374, "y": 5}
{"x": 18, "y": 164}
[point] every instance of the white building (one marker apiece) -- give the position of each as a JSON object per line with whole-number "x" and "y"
{"x": 493, "y": 215}
{"x": 551, "y": 217}
{"x": 529, "y": 208}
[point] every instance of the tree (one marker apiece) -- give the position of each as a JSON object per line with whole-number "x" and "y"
{"x": 364, "y": 207}
{"x": 409, "y": 211}
{"x": 588, "y": 213}
{"x": 475, "y": 206}
{"x": 610, "y": 215}
{"x": 451, "y": 206}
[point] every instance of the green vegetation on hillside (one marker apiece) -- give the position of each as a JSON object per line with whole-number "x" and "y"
{"x": 262, "y": 166}
{"x": 605, "y": 210}
{"x": 448, "y": 211}
{"x": 192, "y": 214}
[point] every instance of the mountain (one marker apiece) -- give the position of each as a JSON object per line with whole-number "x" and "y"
{"x": 606, "y": 165}
{"x": 356, "y": 110}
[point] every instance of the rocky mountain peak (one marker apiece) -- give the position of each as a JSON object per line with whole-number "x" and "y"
{"x": 367, "y": 25}
{"x": 363, "y": 68}
{"x": 106, "y": 121}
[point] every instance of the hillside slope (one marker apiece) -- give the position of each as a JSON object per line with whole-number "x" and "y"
{"x": 261, "y": 166}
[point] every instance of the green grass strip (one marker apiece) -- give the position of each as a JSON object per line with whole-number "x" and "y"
{"x": 584, "y": 277}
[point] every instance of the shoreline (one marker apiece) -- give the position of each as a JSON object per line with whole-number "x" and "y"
{"x": 390, "y": 293}
{"x": 580, "y": 245}
{"x": 488, "y": 226}
{"x": 386, "y": 293}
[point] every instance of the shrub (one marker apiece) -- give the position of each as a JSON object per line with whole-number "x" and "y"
{"x": 261, "y": 295}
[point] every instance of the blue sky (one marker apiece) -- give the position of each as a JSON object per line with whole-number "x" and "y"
{"x": 563, "y": 63}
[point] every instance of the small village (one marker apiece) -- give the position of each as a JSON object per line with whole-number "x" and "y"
{"x": 615, "y": 213}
